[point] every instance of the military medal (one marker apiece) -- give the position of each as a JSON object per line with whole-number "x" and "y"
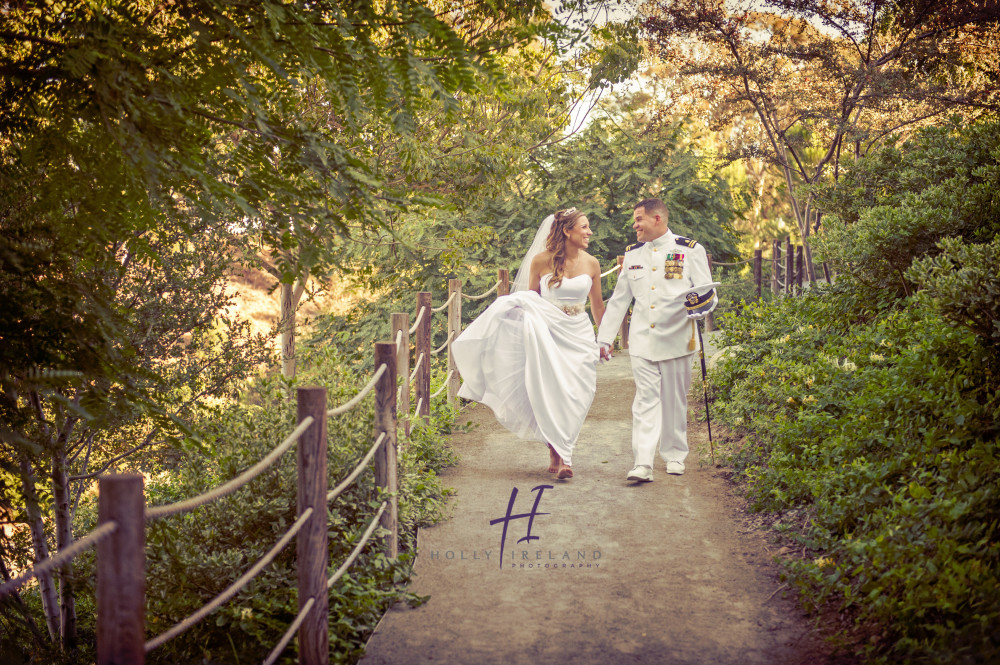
{"x": 674, "y": 266}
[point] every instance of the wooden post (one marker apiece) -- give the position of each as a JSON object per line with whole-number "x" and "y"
{"x": 503, "y": 275}
{"x": 423, "y": 377}
{"x": 454, "y": 328}
{"x": 758, "y": 266}
{"x": 312, "y": 548}
{"x": 625, "y": 321}
{"x": 789, "y": 266}
{"x": 710, "y": 318}
{"x": 121, "y": 572}
{"x": 775, "y": 266}
{"x": 385, "y": 457}
{"x": 799, "y": 268}
{"x": 400, "y": 322}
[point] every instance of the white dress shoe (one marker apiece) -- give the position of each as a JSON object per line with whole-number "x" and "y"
{"x": 640, "y": 472}
{"x": 676, "y": 468}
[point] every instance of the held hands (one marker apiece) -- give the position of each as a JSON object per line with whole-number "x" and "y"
{"x": 605, "y": 351}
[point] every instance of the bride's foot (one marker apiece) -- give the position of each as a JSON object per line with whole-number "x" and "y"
{"x": 564, "y": 472}
{"x": 554, "y": 460}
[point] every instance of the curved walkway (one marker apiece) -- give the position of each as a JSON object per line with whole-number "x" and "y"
{"x": 615, "y": 572}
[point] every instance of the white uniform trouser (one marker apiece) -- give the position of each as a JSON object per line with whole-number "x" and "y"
{"x": 659, "y": 411}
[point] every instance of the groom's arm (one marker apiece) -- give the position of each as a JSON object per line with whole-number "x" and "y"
{"x": 615, "y": 311}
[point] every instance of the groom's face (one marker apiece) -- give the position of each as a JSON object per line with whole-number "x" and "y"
{"x": 648, "y": 226}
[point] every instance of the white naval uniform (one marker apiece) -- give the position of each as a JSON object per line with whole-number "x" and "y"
{"x": 658, "y": 340}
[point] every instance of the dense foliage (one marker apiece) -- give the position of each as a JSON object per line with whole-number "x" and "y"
{"x": 866, "y": 412}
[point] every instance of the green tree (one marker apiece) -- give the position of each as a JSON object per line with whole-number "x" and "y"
{"x": 826, "y": 80}
{"x": 139, "y": 144}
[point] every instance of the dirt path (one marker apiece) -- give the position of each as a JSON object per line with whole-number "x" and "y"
{"x": 617, "y": 572}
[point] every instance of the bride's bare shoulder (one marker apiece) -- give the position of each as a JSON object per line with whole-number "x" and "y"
{"x": 542, "y": 259}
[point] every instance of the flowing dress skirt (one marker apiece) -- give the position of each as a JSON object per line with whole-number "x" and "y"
{"x": 534, "y": 365}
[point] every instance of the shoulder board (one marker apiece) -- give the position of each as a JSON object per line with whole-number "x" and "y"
{"x": 686, "y": 242}
{"x": 635, "y": 246}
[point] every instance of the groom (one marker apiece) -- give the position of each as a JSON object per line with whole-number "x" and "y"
{"x": 660, "y": 273}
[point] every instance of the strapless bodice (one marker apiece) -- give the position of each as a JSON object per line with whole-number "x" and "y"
{"x": 571, "y": 291}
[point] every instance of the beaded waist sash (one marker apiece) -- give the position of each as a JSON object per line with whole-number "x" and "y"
{"x": 571, "y": 310}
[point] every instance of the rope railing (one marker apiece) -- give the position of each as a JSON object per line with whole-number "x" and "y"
{"x": 335, "y": 492}
{"x": 158, "y": 512}
{"x": 444, "y": 385}
{"x": 126, "y": 517}
{"x": 287, "y": 637}
{"x": 354, "y": 401}
{"x": 416, "y": 366}
{"x": 233, "y": 588}
{"x": 60, "y": 558}
{"x": 444, "y": 346}
{"x": 420, "y": 404}
{"x": 357, "y": 548}
{"x": 482, "y": 295}
{"x": 445, "y": 304}
{"x": 420, "y": 317}
{"x": 608, "y": 272}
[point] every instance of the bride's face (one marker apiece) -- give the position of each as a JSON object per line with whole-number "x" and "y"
{"x": 579, "y": 235}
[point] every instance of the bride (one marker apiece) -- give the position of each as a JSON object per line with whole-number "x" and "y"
{"x": 531, "y": 356}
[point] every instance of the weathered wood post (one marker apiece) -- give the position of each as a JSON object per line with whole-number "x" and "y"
{"x": 799, "y": 265}
{"x": 758, "y": 268}
{"x": 422, "y": 380}
{"x": 789, "y": 266}
{"x": 624, "y": 329}
{"x": 311, "y": 546}
{"x": 400, "y": 322}
{"x": 775, "y": 266}
{"x": 121, "y": 572}
{"x": 503, "y": 276}
{"x": 710, "y": 319}
{"x": 385, "y": 457}
{"x": 454, "y": 328}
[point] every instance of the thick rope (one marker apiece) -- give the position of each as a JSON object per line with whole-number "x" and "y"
{"x": 344, "y": 408}
{"x": 445, "y": 345}
{"x": 399, "y": 342}
{"x": 287, "y": 637}
{"x": 440, "y": 390}
{"x": 482, "y": 295}
{"x": 357, "y": 549}
{"x": 61, "y": 558}
{"x": 157, "y": 512}
{"x": 416, "y": 411}
{"x": 608, "y": 272}
{"x": 738, "y": 263}
{"x": 446, "y": 303}
{"x": 335, "y": 492}
{"x": 234, "y": 588}
{"x": 420, "y": 317}
{"x": 416, "y": 367}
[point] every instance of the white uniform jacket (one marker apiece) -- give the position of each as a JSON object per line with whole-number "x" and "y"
{"x": 656, "y": 275}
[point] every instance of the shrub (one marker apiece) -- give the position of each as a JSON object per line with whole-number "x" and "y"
{"x": 885, "y": 434}
{"x": 193, "y": 557}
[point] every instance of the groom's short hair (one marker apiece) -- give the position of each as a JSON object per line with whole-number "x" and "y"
{"x": 653, "y": 207}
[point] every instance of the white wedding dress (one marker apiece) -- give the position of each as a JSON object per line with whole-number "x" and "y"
{"x": 532, "y": 363}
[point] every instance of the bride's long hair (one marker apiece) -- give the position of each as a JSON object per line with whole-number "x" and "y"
{"x": 556, "y": 242}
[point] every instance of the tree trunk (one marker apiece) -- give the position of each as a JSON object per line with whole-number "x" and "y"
{"x": 803, "y": 222}
{"x": 290, "y": 296}
{"x": 287, "y": 332}
{"x": 64, "y": 538}
{"x": 47, "y": 590}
